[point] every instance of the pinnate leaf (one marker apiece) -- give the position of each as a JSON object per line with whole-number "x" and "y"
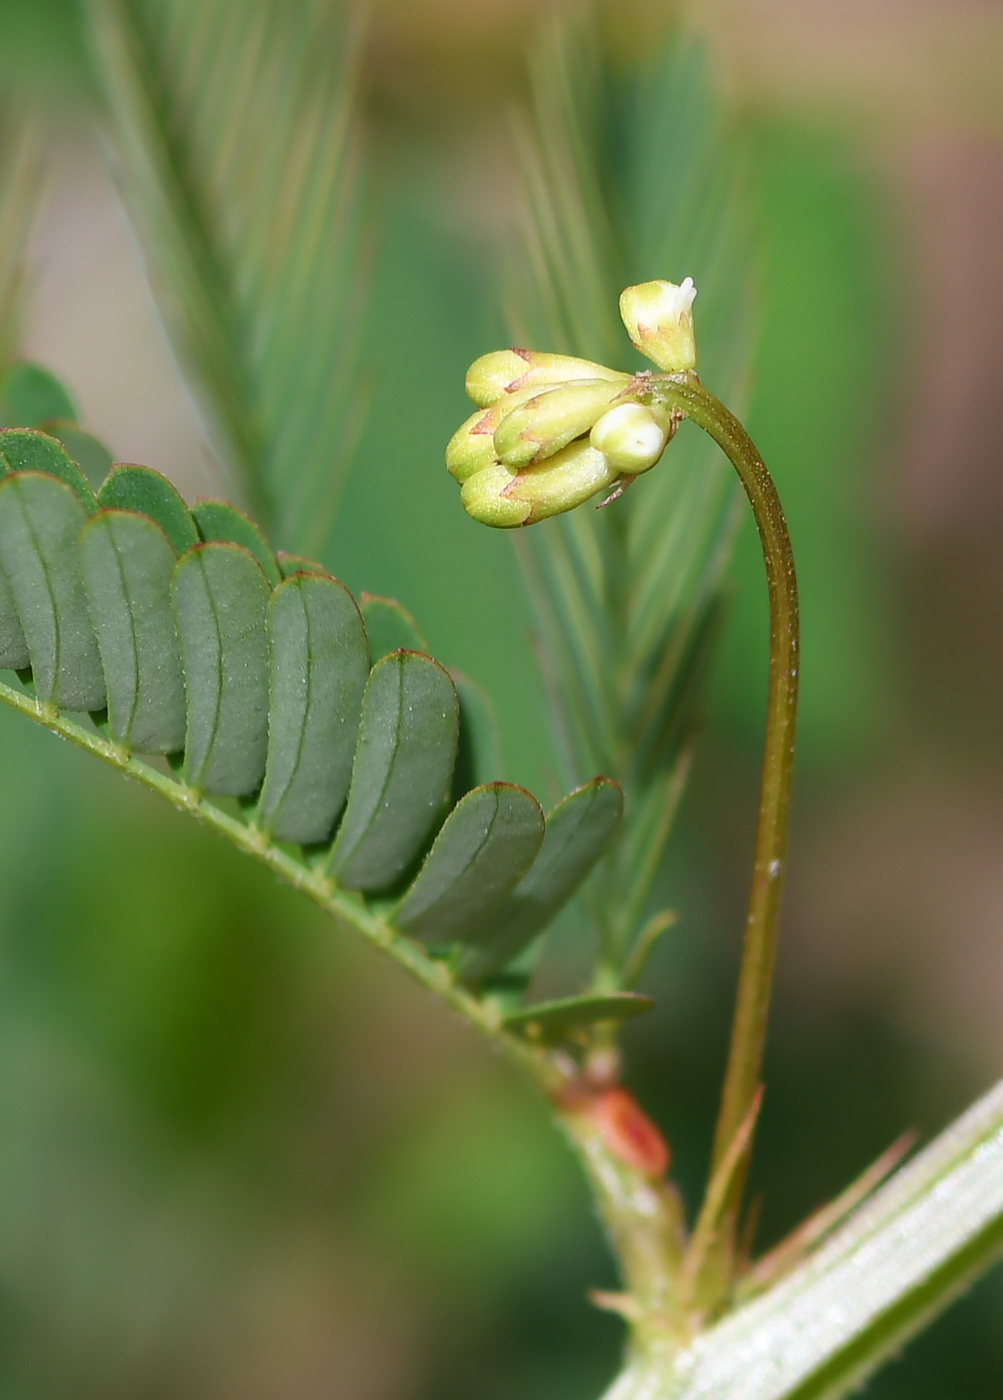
{"x": 40, "y": 519}
{"x": 487, "y": 844}
{"x": 407, "y": 747}
{"x": 140, "y": 489}
{"x": 578, "y": 832}
{"x": 318, "y": 668}
{"x": 389, "y": 627}
{"x": 31, "y": 396}
{"x": 220, "y": 522}
{"x": 221, "y": 605}
{"x": 559, "y": 1019}
{"x": 27, "y": 450}
{"x": 128, "y": 564}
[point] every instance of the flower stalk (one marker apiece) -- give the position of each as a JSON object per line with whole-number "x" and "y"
{"x": 552, "y": 433}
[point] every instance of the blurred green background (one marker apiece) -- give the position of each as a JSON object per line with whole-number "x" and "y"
{"x": 240, "y": 1155}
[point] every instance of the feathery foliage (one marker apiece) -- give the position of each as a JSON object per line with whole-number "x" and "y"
{"x": 627, "y": 599}
{"x": 238, "y": 145}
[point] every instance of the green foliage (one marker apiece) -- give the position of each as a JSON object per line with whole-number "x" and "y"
{"x": 578, "y": 831}
{"x": 40, "y": 520}
{"x": 238, "y": 140}
{"x": 127, "y": 565}
{"x": 31, "y": 396}
{"x": 628, "y": 599}
{"x": 18, "y": 188}
{"x": 486, "y": 846}
{"x": 146, "y": 492}
{"x": 318, "y": 668}
{"x": 219, "y": 522}
{"x": 555, "y": 1020}
{"x": 260, "y": 688}
{"x": 221, "y": 602}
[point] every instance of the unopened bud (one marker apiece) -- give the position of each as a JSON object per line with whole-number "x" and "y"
{"x": 483, "y": 496}
{"x": 472, "y": 446}
{"x": 506, "y": 371}
{"x": 630, "y": 437}
{"x": 659, "y": 320}
{"x": 501, "y": 497}
{"x": 550, "y": 421}
{"x": 629, "y": 1134}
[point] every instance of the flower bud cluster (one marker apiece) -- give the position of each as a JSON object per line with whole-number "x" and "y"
{"x": 550, "y": 431}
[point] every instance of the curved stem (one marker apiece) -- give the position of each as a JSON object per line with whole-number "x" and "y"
{"x": 685, "y": 393}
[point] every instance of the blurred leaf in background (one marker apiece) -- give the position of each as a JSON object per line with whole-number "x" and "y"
{"x": 237, "y": 132}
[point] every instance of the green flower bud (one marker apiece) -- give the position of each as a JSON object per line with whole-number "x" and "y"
{"x": 659, "y": 320}
{"x": 500, "y": 497}
{"x": 630, "y": 437}
{"x": 483, "y": 496}
{"x": 545, "y": 424}
{"x": 505, "y": 371}
{"x": 472, "y": 446}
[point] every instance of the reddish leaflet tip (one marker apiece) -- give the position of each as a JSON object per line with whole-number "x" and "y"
{"x": 629, "y": 1133}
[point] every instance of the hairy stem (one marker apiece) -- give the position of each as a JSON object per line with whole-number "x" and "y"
{"x": 685, "y": 393}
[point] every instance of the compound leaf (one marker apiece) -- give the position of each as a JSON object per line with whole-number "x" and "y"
{"x": 239, "y": 145}
{"x": 487, "y": 844}
{"x": 40, "y": 519}
{"x": 318, "y": 668}
{"x": 478, "y": 758}
{"x": 220, "y": 522}
{"x": 128, "y": 565}
{"x": 556, "y": 1020}
{"x": 27, "y": 450}
{"x": 407, "y": 747}
{"x": 31, "y": 397}
{"x": 578, "y": 832}
{"x": 389, "y": 627}
{"x": 221, "y": 605}
{"x": 141, "y": 489}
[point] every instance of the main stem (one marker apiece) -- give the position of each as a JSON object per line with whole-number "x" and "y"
{"x": 748, "y": 1037}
